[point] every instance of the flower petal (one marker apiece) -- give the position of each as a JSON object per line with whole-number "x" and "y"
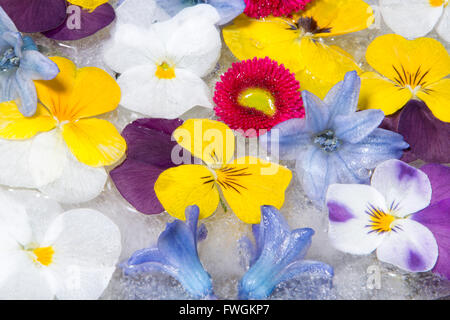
{"x": 317, "y": 114}
{"x": 437, "y": 98}
{"x": 411, "y": 247}
{"x": 141, "y": 13}
{"x": 27, "y": 102}
{"x": 15, "y": 170}
{"x": 36, "y": 66}
{"x": 349, "y": 219}
{"x": 443, "y": 27}
{"x": 248, "y": 183}
{"x": 186, "y": 185}
{"x": 439, "y": 176}
{"x": 15, "y": 226}
{"x": 356, "y": 127}
{"x": 410, "y": 19}
{"x": 405, "y": 188}
{"x": 342, "y": 99}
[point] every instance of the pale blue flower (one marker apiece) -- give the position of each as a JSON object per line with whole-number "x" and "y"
{"x": 277, "y": 256}
{"x": 176, "y": 254}
{"x": 20, "y": 64}
{"x": 228, "y": 9}
{"x": 334, "y": 143}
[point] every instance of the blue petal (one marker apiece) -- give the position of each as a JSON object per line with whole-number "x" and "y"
{"x": 312, "y": 268}
{"x": 317, "y": 114}
{"x": 144, "y": 260}
{"x": 343, "y": 98}
{"x": 28, "y": 44}
{"x": 36, "y": 66}
{"x": 26, "y": 90}
{"x": 6, "y": 24}
{"x": 14, "y": 39}
{"x": 356, "y": 126}
{"x": 8, "y": 84}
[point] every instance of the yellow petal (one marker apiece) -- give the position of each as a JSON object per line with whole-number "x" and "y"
{"x": 88, "y": 4}
{"x": 187, "y": 185}
{"x": 437, "y": 98}
{"x": 380, "y": 93}
{"x": 94, "y": 142}
{"x": 248, "y": 183}
{"x": 78, "y": 93}
{"x": 343, "y": 16}
{"x": 14, "y": 126}
{"x": 209, "y": 140}
{"x": 423, "y": 60}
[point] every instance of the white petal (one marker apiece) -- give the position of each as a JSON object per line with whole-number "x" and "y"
{"x": 77, "y": 183}
{"x": 143, "y": 92}
{"x": 405, "y": 188}
{"x": 348, "y": 206}
{"x": 15, "y": 168}
{"x": 87, "y": 246}
{"x": 15, "y": 228}
{"x": 411, "y": 19}
{"x": 411, "y": 247}
{"x": 443, "y": 27}
{"x": 140, "y": 12}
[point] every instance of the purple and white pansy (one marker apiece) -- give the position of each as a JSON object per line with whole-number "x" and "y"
{"x": 392, "y": 216}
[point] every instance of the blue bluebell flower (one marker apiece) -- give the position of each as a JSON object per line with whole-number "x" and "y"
{"x": 176, "y": 254}
{"x": 277, "y": 256}
{"x": 334, "y": 143}
{"x": 228, "y": 9}
{"x": 20, "y": 64}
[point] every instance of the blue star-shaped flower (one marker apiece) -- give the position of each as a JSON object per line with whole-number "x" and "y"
{"x": 334, "y": 143}
{"x": 277, "y": 256}
{"x": 20, "y": 64}
{"x": 176, "y": 254}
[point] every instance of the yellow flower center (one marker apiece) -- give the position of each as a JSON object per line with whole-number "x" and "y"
{"x": 437, "y": 3}
{"x": 380, "y": 221}
{"x": 164, "y": 71}
{"x": 413, "y": 80}
{"x": 44, "y": 255}
{"x": 259, "y": 99}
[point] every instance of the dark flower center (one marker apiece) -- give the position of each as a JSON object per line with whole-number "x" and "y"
{"x": 327, "y": 141}
{"x": 9, "y": 60}
{"x": 309, "y": 25}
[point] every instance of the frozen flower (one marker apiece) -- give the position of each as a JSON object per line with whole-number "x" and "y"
{"x": 47, "y": 253}
{"x": 62, "y": 149}
{"x": 382, "y": 217}
{"x": 257, "y": 94}
{"x": 296, "y": 42}
{"x": 228, "y": 9}
{"x": 161, "y": 65}
{"x": 411, "y": 69}
{"x": 176, "y": 254}
{"x": 277, "y": 256}
{"x": 334, "y": 143}
{"x": 20, "y": 64}
{"x": 246, "y": 183}
{"x": 416, "y": 18}
{"x": 56, "y": 21}
{"x": 263, "y": 8}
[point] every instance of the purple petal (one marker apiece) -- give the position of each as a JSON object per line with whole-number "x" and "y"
{"x": 35, "y": 15}
{"x": 439, "y": 176}
{"x": 89, "y": 23}
{"x": 419, "y": 127}
{"x": 437, "y": 219}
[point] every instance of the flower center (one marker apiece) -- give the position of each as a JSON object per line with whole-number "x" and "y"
{"x": 380, "y": 221}
{"x": 259, "y": 99}
{"x": 309, "y": 26}
{"x": 327, "y": 141}
{"x": 165, "y": 71}
{"x": 44, "y": 255}
{"x": 9, "y": 60}
{"x": 438, "y": 3}
{"x": 414, "y": 81}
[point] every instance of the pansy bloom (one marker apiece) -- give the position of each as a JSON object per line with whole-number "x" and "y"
{"x": 47, "y": 253}
{"x": 411, "y": 69}
{"x": 257, "y": 94}
{"x": 20, "y": 64}
{"x": 413, "y": 19}
{"x": 296, "y": 42}
{"x": 228, "y": 9}
{"x": 58, "y": 21}
{"x": 246, "y": 183}
{"x": 277, "y": 256}
{"x": 62, "y": 149}
{"x": 334, "y": 143}
{"x": 387, "y": 217}
{"x": 176, "y": 254}
{"x": 161, "y": 65}
{"x": 263, "y": 8}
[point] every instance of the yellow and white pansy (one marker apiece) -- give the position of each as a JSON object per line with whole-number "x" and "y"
{"x": 416, "y": 18}
{"x": 297, "y": 42}
{"x": 48, "y": 253}
{"x": 161, "y": 65}
{"x": 62, "y": 150}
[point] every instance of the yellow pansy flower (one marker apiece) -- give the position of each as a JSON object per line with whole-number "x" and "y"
{"x": 246, "y": 183}
{"x": 407, "y": 69}
{"x": 297, "y": 42}
{"x": 62, "y": 149}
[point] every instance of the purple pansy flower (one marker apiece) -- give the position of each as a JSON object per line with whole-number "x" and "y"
{"x": 58, "y": 19}
{"x": 394, "y": 217}
{"x": 277, "y": 256}
{"x": 176, "y": 254}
